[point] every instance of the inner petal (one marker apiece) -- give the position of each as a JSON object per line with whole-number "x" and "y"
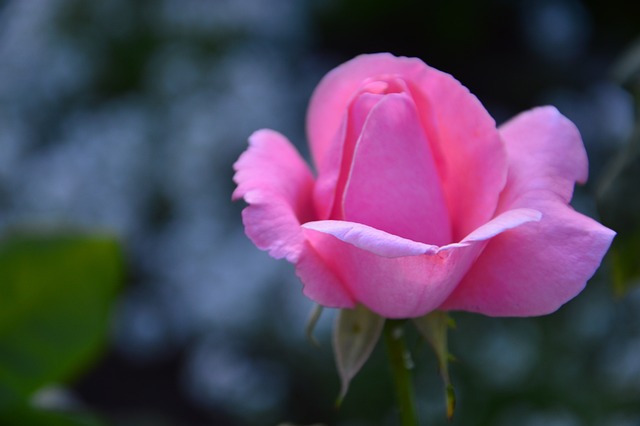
{"x": 333, "y": 171}
{"x": 358, "y": 113}
{"x": 393, "y": 184}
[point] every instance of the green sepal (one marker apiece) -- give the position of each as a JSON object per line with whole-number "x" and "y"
{"x": 433, "y": 328}
{"x": 314, "y": 316}
{"x": 354, "y": 337}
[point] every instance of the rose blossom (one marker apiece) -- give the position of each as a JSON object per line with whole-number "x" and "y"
{"x": 420, "y": 202}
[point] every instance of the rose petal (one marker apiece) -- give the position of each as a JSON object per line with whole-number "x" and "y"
{"x": 397, "y": 277}
{"x": 365, "y": 237}
{"x": 277, "y": 184}
{"x": 468, "y": 153}
{"x": 533, "y": 270}
{"x": 393, "y": 184}
{"x": 508, "y": 220}
{"x": 546, "y": 155}
{"x": 332, "y": 177}
{"x": 337, "y": 89}
{"x": 470, "y": 156}
{"x": 321, "y": 284}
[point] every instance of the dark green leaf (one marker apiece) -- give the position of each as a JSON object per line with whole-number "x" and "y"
{"x": 55, "y": 295}
{"x": 24, "y": 415}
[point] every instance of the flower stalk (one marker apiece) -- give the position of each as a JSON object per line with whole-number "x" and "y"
{"x": 401, "y": 365}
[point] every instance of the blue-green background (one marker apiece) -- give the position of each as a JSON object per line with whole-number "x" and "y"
{"x": 129, "y": 294}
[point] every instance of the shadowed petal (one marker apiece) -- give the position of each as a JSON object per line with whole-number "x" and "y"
{"x": 321, "y": 284}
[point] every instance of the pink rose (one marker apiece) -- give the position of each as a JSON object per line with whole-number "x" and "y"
{"x": 420, "y": 202}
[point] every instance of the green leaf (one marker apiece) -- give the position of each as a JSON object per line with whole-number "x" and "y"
{"x": 354, "y": 337}
{"x": 433, "y": 327}
{"x": 24, "y": 415}
{"x": 55, "y": 296}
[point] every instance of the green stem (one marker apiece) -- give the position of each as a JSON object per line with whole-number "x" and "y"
{"x": 400, "y": 366}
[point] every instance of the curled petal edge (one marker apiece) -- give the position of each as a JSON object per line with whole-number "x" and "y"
{"x": 393, "y": 276}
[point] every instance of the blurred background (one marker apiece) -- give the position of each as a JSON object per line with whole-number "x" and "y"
{"x": 129, "y": 294}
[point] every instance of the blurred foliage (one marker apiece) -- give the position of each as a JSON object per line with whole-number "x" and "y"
{"x": 620, "y": 207}
{"x": 56, "y": 292}
{"x": 32, "y": 417}
{"x": 546, "y": 378}
{"x": 618, "y": 198}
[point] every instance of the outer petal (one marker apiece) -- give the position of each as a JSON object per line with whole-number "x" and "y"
{"x": 397, "y": 277}
{"x": 546, "y": 156}
{"x": 277, "y": 184}
{"x": 469, "y": 156}
{"x": 320, "y": 282}
{"x": 533, "y": 270}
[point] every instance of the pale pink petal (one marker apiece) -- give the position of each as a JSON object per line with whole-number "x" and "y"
{"x": 546, "y": 155}
{"x": 533, "y": 270}
{"x": 393, "y": 184}
{"x": 367, "y": 238}
{"x": 397, "y": 277}
{"x": 508, "y": 220}
{"x": 277, "y": 184}
{"x": 468, "y": 153}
